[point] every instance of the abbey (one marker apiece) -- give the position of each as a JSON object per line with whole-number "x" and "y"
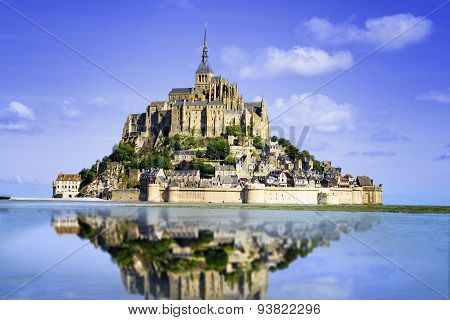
{"x": 203, "y": 110}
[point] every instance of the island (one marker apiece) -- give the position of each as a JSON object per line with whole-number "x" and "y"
{"x": 205, "y": 144}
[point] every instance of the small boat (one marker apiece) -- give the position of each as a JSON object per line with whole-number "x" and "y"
{"x": 3, "y": 197}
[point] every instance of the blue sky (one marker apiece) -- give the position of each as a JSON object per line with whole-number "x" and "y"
{"x": 387, "y": 117}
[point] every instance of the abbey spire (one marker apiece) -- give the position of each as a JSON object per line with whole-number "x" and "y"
{"x": 205, "y": 48}
{"x": 204, "y": 71}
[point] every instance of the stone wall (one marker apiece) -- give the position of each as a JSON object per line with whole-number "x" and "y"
{"x": 124, "y": 195}
{"x": 259, "y": 194}
{"x": 195, "y": 195}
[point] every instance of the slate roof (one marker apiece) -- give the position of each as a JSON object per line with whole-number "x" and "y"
{"x": 364, "y": 181}
{"x": 68, "y": 177}
{"x": 185, "y": 173}
{"x": 181, "y": 90}
{"x": 204, "y": 67}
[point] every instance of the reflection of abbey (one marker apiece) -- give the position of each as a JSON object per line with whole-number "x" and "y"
{"x": 203, "y": 110}
{"x": 165, "y": 255}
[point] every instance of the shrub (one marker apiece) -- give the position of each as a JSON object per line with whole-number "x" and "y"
{"x": 258, "y": 142}
{"x": 218, "y": 149}
{"x": 235, "y": 130}
{"x": 216, "y": 259}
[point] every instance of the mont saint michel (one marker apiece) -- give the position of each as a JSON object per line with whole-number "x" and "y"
{"x": 205, "y": 144}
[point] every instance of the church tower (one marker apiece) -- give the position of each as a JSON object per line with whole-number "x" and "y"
{"x": 204, "y": 72}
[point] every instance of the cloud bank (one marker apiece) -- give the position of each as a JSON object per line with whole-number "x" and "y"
{"x": 375, "y": 31}
{"x": 435, "y": 96}
{"x": 272, "y": 61}
{"x": 318, "y": 111}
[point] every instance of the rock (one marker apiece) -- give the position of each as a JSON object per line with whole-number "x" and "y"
{"x": 110, "y": 177}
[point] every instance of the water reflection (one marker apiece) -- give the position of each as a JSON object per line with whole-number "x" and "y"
{"x": 212, "y": 255}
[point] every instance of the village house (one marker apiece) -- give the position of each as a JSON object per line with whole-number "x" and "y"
{"x": 184, "y": 178}
{"x": 228, "y": 181}
{"x": 277, "y": 178}
{"x": 183, "y": 155}
{"x": 66, "y": 185}
{"x": 245, "y": 165}
{"x": 156, "y": 176}
{"x": 273, "y": 148}
{"x": 225, "y": 170}
{"x": 328, "y": 183}
{"x": 297, "y": 180}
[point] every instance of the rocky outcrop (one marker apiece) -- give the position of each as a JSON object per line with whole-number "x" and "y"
{"x": 110, "y": 177}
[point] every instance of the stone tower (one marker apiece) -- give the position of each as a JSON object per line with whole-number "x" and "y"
{"x": 204, "y": 72}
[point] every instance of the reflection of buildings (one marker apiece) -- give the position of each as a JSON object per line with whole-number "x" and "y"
{"x": 166, "y": 255}
{"x": 65, "y": 223}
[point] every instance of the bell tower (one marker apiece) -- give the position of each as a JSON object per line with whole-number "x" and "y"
{"x": 204, "y": 72}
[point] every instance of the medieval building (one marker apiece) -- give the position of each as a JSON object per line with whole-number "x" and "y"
{"x": 203, "y": 110}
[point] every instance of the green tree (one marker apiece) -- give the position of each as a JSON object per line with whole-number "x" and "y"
{"x": 229, "y": 159}
{"x": 158, "y": 157}
{"x": 218, "y": 149}
{"x": 293, "y": 152}
{"x": 175, "y": 142}
{"x": 274, "y": 139}
{"x": 216, "y": 259}
{"x": 234, "y": 130}
{"x": 200, "y": 153}
{"x": 87, "y": 176}
{"x": 284, "y": 142}
{"x": 206, "y": 169}
{"x": 306, "y": 154}
{"x": 258, "y": 142}
{"x": 317, "y": 166}
{"x": 124, "y": 153}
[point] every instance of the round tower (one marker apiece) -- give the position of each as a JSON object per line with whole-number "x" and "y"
{"x": 153, "y": 193}
{"x": 254, "y": 193}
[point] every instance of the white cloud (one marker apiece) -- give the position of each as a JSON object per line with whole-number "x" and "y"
{"x": 436, "y": 96}
{"x": 69, "y": 109}
{"x": 100, "y": 101}
{"x": 272, "y": 61}
{"x": 20, "y": 110}
{"x": 375, "y": 30}
{"x": 318, "y": 111}
{"x": 14, "y": 126}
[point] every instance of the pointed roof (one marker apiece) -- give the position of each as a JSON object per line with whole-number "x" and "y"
{"x": 204, "y": 66}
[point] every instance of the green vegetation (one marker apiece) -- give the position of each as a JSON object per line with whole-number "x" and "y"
{"x": 200, "y": 153}
{"x": 217, "y": 149}
{"x": 158, "y": 157}
{"x": 206, "y": 169}
{"x": 283, "y": 142}
{"x": 183, "y": 142}
{"x": 216, "y": 259}
{"x": 317, "y": 166}
{"x": 87, "y": 176}
{"x": 234, "y": 277}
{"x": 258, "y": 142}
{"x": 183, "y": 265}
{"x": 235, "y": 130}
{"x": 274, "y": 139}
{"x": 230, "y": 160}
{"x": 125, "y": 153}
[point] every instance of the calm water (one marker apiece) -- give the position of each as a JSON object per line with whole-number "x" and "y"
{"x": 108, "y": 252}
